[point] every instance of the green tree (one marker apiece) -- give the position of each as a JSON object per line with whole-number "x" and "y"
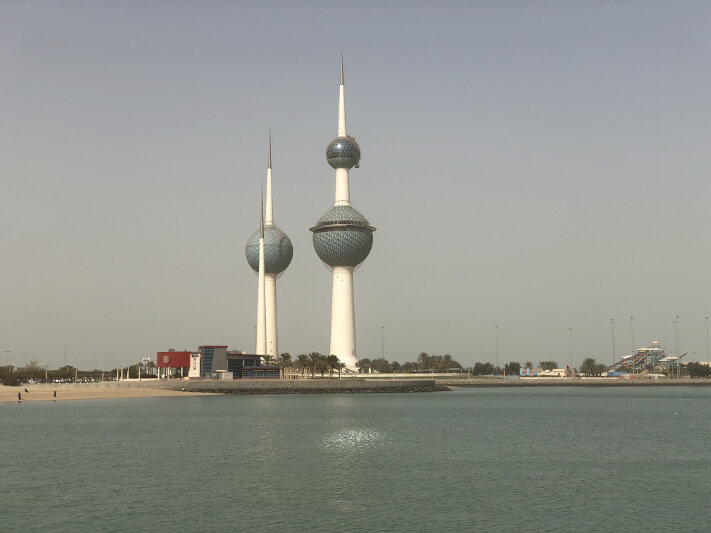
{"x": 322, "y": 364}
{"x": 302, "y": 363}
{"x": 381, "y": 365}
{"x": 590, "y": 367}
{"x": 341, "y": 367}
{"x": 512, "y": 368}
{"x": 483, "y": 369}
{"x": 698, "y": 370}
{"x": 364, "y": 365}
{"x": 548, "y": 365}
{"x": 332, "y": 361}
{"x": 314, "y": 358}
{"x": 423, "y": 362}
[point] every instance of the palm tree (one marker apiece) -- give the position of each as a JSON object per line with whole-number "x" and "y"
{"x": 284, "y": 360}
{"x": 332, "y": 365}
{"x": 313, "y": 361}
{"x": 341, "y": 366}
{"x": 268, "y": 359}
{"x": 322, "y": 364}
{"x": 302, "y": 362}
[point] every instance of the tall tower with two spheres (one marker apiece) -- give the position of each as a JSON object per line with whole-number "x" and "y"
{"x": 277, "y": 252}
{"x": 343, "y": 238}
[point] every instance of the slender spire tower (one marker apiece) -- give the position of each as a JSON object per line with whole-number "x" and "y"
{"x": 343, "y": 238}
{"x": 261, "y": 348}
{"x": 277, "y": 251}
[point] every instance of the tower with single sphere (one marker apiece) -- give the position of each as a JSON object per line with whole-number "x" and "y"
{"x": 342, "y": 239}
{"x": 278, "y": 252}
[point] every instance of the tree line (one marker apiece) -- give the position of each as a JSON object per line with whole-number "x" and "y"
{"x": 36, "y": 373}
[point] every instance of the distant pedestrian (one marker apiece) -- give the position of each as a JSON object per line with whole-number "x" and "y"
{"x": 55, "y": 394}
{"x": 19, "y": 396}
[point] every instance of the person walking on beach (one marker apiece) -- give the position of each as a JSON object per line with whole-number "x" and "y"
{"x": 19, "y": 396}
{"x": 55, "y": 394}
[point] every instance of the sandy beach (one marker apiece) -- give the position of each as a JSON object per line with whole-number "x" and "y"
{"x": 80, "y": 392}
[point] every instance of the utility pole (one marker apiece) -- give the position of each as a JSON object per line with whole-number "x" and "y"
{"x": 708, "y": 355}
{"x": 496, "y": 331}
{"x": 676, "y": 335}
{"x": 632, "y": 332}
{"x": 570, "y": 331}
{"x": 382, "y": 342}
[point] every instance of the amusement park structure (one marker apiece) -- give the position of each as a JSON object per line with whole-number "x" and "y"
{"x": 647, "y": 359}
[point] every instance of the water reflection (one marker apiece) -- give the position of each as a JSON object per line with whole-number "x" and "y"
{"x": 352, "y": 439}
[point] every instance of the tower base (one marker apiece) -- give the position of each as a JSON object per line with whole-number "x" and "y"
{"x": 343, "y": 342}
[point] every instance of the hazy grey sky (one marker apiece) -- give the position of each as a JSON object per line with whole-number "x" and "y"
{"x": 537, "y": 165}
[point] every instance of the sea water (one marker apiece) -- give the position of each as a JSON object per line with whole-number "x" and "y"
{"x": 513, "y": 460}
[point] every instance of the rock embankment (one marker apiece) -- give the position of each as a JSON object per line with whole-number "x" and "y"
{"x": 308, "y": 386}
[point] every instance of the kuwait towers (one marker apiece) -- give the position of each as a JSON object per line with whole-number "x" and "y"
{"x": 273, "y": 254}
{"x": 342, "y": 239}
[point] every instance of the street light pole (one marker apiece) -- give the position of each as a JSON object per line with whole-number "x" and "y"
{"x": 570, "y": 331}
{"x": 676, "y": 335}
{"x": 496, "y": 332}
{"x": 632, "y": 332}
{"x": 382, "y": 342}
{"x": 708, "y": 355}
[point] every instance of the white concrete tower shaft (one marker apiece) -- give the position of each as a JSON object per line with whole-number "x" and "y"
{"x": 270, "y": 297}
{"x": 261, "y": 347}
{"x": 343, "y": 334}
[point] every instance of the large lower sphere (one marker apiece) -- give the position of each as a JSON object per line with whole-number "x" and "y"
{"x": 343, "y": 247}
{"x": 278, "y": 250}
{"x": 342, "y": 237}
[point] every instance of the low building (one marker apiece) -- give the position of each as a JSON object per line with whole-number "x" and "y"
{"x": 237, "y": 361}
{"x": 214, "y": 362}
{"x": 539, "y": 372}
{"x": 172, "y": 363}
{"x": 194, "y": 371}
{"x": 212, "y": 358}
{"x": 260, "y": 372}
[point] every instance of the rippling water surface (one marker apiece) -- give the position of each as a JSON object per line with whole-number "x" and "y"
{"x": 545, "y": 460}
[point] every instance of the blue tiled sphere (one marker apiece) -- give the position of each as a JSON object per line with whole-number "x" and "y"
{"x": 278, "y": 250}
{"x": 342, "y": 237}
{"x": 343, "y": 152}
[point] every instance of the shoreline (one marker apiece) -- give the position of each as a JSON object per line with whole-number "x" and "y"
{"x": 84, "y": 391}
{"x": 176, "y": 387}
{"x": 381, "y": 385}
{"x": 572, "y": 382}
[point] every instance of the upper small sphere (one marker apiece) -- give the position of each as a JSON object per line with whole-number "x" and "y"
{"x": 278, "y": 250}
{"x": 343, "y": 152}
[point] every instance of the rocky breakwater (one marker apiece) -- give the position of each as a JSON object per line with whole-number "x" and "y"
{"x": 307, "y": 386}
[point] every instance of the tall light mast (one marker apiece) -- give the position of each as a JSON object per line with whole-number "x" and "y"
{"x": 343, "y": 238}
{"x": 278, "y": 252}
